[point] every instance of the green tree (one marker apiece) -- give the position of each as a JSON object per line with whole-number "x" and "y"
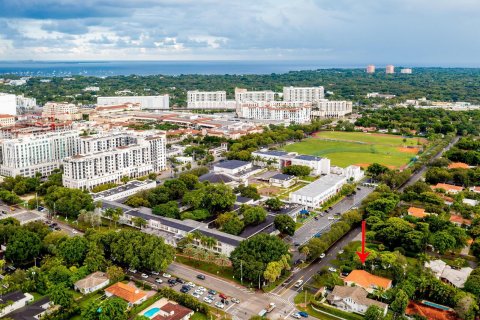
{"x": 273, "y": 271}
{"x": 274, "y": 204}
{"x": 115, "y": 274}
{"x": 95, "y": 259}
{"x": 400, "y": 302}
{"x": 374, "y": 313}
{"x": 60, "y": 295}
{"x": 23, "y": 246}
{"x": 67, "y": 201}
{"x": 472, "y": 285}
{"x": 114, "y": 309}
{"x": 169, "y": 210}
{"x": 139, "y": 222}
{"x": 254, "y": 215}
{"x": 297, "y": 170}
{"x": 190, "y": 180}
{"x": 73, "y": 250}
{"x": 285, "y": 224}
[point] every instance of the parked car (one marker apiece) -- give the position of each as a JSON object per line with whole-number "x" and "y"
{"x": 340, "y": 252}
{"x": 201, "y": 276}
{"x": 332, "y": 269}
{"x": 155, "y": 273}
{"x": 220, "y": 305}
{"x": 212, "y": 292}
{"x": 296, "y": 315}
{"x": 196, "y": 294}
{"x": 184, "y": 290}
{"x": 208, "y": 300}
{"x": 223, "y": 296}
{"x": 167, "y": 275}
{"x": 180, "y": 280}
{"x": 191, "y": 285}
{"x": 322, "y": 256}
{"x": 172, "y": 281}
{"x": 298, "y": 284}
{"x": 303, "y": 314}
{"x": 235, "y": 300}
{"x": 131, "y": 270}
{"x": 158, "y": 280}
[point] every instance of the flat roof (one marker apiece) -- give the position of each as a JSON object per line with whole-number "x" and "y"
{"x": 308, "y": 158}
{"x": 275, "y": 153}
{"x": 323, "y": 183}
{"x": 282, "y": 176}
{"x": 128, "y": 186}
{"x": 231, "y": 164}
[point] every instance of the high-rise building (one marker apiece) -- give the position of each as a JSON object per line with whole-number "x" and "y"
{"x": 8, "y": 103}
{"x": 390, "y": 69}
{"x": 108, "y": 157}
{"x": 331, "y": 109}
{"x": 209, "y": 100}
{"x": 289, "y": 112}
{"x": 26, "y": 103}
{"x": 29, "y": 154}
{"x": 303, "y": 94}
{"x": 243, "y": 95}
{"x": 406, "y": 71}
{"x": 160, "y": 102}
{"x": 370, "y": 68}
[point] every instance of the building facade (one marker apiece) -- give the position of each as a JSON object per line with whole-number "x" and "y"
{"x": 7, "y": 120}
{"x": 281, "y": 159}
{"x": 370, "y": 68}
{"x": 29, "y": 154}
{"x": 209, "y": 100}
{"x": 390, "y": 69}
{"x": 243, "y": 95}
{"x": 290, "y": 112}
{"x": 160, "y": 102}
{"x": 331, "y": 109}
{"x": 305, "y": 94}
{"x": 108, "y": 157}
{"x": 61, "y": 111}
{"x": 8, "y": 103}
{"x": 406, "y": 71}
{"x": 319, "y": 191}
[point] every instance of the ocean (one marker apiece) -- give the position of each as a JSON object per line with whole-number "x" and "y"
{"x": 113, "y": 68}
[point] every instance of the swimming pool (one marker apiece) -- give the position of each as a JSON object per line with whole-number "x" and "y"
{"x": 434, "y": 305}
{"x": 151, "y": 312}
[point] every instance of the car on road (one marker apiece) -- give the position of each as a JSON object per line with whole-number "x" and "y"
{"x": 359, "y": 188}
{"x": 155, "y": 273}
{"x": 235, "y": 300}
{"x": 144, "y": 276}
{"x": 212, "y": 292}
{"x": 57, "y": 228}
{"x": 220, "y": 305}
{"x": 167, "y": 275}
{"x": 201, "y": 276}
{"x": 208, "y": 300}
{"x": 332, "y": 269}
{"x": 296, "y": 315}
{"x": 158, "y": 280}
{"x": 303, "y": 314}
{"x": 131, "y": 270}
{"x": 298, "y": 284}
{"x": 180, "y": 280}
{"x": 287, "y": 282}
{"x": 331, "y": 218}
{"x": 322, "y": 256}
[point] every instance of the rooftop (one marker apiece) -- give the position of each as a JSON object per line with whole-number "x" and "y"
{"x": 357, "y": 294}
{"x": 308, "y": 158}
{"x": 458, "y": 165}
{"x": 126, "y": 292}
{"x": 282, "y": 177}
{"x": 214, "y": 177}
{"x": 417, "y": 212}
{"x": 319, "y": 185}
{"x": 231, "y": 164}
{"x": 457, "y": 277}
{"x": 12, "y": 296}
{"x": 275, "y": 153}
{"x": 92, "y": 280}
{"x": 447, "y": 187}
{"x": 366, "y": 280}
{"x": 31, "y": 311}
{"x": 460, "y": 220}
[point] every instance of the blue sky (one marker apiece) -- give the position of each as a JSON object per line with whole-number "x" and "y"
{"x": 343, "y": 32}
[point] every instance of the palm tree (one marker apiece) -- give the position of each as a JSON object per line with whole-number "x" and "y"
{"x": 306, "y": 251}
{"x": 108, "y": 213}
{"x": 139, "y": 222}
{"x": 223, "y": 259}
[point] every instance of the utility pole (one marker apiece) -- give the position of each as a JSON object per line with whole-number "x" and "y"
{"x": 241, "y": 271}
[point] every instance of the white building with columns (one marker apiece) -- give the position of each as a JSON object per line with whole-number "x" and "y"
{"x": 244, "y": 95}
{"x": 160, "y": 102}
{"x": 305, "y": 94}
{"x": 331, "y": 109}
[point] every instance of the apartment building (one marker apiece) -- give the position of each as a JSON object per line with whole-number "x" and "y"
{"x": 390, "y": 69}
{"x": 209, "y": 100}
{"x": 290, "y": 112}
{"x": 26, "y": 103}
{"x": 108, "y": 157}
{"x": 305, "y": 94}
{"x": 244, "y": 95}
{"x": 8, "y": 103}
{"x": 160, "y": 102}
{"x": 331, "y": 109}
{"x": 61, "y": 111}
{"x": 29, "y": 154}
{"x": 370, "y": 68}
{"x": 7, "y": 120}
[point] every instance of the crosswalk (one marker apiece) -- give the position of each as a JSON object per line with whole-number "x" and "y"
{"x": 280, "y": 299}
{"x": 243, "y": 289}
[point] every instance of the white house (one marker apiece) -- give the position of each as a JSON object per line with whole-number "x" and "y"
{"x": 281, "y": 159}
{"x": 283, "y": 180}
{"x": 13, "y": 301}
{"x": 353, "y": 299}
{"x": 92, "y": 282}
{"x": 232, "y": 167}
{"x": 317, "y": 192}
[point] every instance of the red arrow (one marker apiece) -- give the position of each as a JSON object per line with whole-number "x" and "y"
{"x": 363, "y": 255}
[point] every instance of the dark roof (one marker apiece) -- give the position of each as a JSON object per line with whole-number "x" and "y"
{"x": 29, "y": 312}
{"x": 231, "y": 164}
{"x": 12, "y": 296}
{"x": 165, "y": 221}
{"x": 214, "y": 177}
{"x": 254, "y": 229}
{"x": 220, "y": 236}
{"x": 307, "y": 157}
{"x": 282, "y": 176}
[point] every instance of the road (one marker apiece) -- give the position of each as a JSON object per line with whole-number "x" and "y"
{"x": 418, "y": 175}
{"x": 312, "y": 227}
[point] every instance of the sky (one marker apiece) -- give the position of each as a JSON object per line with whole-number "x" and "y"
{"x": 343, "y": 32}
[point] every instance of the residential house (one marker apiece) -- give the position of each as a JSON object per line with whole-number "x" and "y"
{"x": 283, "y": 180}
{"x": 449, "y": 188}
{"x": 93, "y": 282}
{"x": 417, "y": 212}
{"x": 459, "y": 220}
{"x": 14, "y": 300}
{"x": 353, "y": 299}
{"x": 131, "y": 294}
{"x": 33, "y": 311}
{"x": 454, "y": 276}
{"x": 367, "y": 281}
{"x": 475, "y": 189}
{"x": 165, "y": 309}
{"x": 458, "y": 165}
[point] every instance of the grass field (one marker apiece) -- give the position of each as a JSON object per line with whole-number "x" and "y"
{"x": 347, "y": 148}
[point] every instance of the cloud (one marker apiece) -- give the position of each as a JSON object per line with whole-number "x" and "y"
{"x": 338, "y": 32}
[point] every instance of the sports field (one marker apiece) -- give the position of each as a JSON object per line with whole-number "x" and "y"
{"x": 358, "y": 148}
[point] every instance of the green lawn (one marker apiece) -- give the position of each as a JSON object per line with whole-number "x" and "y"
{"x": 224, "y": 272}
{"x": 198, "y": 316}
{"x": 347, "y": 148}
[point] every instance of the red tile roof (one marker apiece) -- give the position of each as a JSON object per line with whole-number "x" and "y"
{"x": 460, "y": 220}
{"x": 458, "y": 165}
{"x": 417, "y": 212}
{"x": 175, "y": 311}
{"x": 126, "y": 292}
{"x": 366, "y": 280}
